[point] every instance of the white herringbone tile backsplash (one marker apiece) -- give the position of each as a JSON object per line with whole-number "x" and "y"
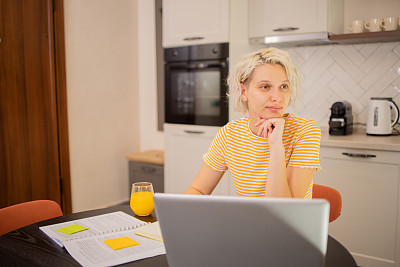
{"x": 345, "y": 72}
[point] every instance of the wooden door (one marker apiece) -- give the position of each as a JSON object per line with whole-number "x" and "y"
{"x": 32, "y": 105}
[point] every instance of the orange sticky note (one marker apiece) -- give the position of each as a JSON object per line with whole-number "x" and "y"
{"x": 122, "y": 242}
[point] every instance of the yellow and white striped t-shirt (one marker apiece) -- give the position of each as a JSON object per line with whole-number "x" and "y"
{"x": 246, "y": 155}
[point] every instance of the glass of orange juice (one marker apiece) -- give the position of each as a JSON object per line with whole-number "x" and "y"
{"x": 142, "y": 202}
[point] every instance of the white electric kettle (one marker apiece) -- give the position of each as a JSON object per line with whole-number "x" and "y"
{"x": 380, "y": 120}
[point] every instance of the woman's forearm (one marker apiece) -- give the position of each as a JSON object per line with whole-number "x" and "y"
{"x": 205, "y": 181}
{"x": 277, "y": 183}
{"x": 193, "y": 191}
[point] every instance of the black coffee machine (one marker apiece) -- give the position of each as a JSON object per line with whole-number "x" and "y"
{"x": 341, "y": 119}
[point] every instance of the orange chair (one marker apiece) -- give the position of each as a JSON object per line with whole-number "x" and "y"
{"x": 333, "y": 196}
{"x": 20, "y": 215}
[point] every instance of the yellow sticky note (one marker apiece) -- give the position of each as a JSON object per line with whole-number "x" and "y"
{"x": 122, "y": 242}
{"x": 72, "y": 229}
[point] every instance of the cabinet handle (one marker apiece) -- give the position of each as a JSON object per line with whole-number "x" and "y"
{"x": 356, "y": 155}
{"x": 148, "y": 169}
{"x": 194, "y": 132}
{"x": 286, "y": 29}
{"x": 193, "y": 38}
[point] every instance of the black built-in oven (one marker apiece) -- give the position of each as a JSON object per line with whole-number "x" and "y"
{"x": 195, "y": 84}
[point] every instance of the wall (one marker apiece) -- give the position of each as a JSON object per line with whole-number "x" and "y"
{"x": 150, "y": 137}
{"x": 345, "y": 72}
{"x": 102, "y": 90}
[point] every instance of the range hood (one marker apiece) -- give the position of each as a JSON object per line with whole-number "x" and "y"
{"x": 317, "y": 38}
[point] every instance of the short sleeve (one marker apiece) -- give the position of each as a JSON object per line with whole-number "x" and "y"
{"x": 215, "y": 156}
{"x": 305, "y": 152}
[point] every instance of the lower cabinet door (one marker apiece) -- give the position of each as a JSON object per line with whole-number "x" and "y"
{"x": 185, "y": 146}
{"x": 369, "y": 184}
{"x": 144, "y": 172}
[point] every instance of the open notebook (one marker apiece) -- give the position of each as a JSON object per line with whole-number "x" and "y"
{"x": 107, "y": 239}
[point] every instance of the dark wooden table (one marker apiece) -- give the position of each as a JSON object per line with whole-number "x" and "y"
{"x": 29, "y": 246}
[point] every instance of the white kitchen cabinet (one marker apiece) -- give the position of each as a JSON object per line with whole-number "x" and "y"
{"x": 191, "y": 22}
{"x": 369, "y": 182}
{"x": 185, "y": 146}
{"x": 293, "y": 17}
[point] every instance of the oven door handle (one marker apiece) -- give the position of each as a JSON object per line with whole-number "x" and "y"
{"x": 197, "y": 66}
{"x": 209, "y": 66}
{"x": 193, "y": 132}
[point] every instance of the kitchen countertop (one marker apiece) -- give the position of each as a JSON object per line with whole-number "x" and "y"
{"x": 359, "y": 139}
{"x": 151, "y": 156}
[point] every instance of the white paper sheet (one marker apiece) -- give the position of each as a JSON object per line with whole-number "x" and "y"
{"x": 92, "y": 251}
{"x": 151, "y": 230}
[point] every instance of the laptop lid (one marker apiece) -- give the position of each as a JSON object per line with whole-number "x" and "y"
{"x": 242, "y": 231}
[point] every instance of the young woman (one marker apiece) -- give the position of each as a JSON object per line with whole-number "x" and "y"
{"x": 269, "y": 152}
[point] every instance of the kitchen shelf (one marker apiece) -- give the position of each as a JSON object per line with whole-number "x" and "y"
{"x": 366, "y": 37}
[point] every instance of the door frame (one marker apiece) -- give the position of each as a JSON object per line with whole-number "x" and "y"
{"x": 62, "y": 115}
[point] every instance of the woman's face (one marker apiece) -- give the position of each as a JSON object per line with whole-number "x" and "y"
{"x": 267, "y": 92}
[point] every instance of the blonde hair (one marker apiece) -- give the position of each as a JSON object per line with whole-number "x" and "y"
{"x": 243, "y": 71}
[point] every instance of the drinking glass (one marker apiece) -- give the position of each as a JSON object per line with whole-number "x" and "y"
{"x": 142, "y": 202}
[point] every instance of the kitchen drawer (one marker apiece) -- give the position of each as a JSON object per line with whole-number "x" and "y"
{"x": 361, "y": 155}
{"x": 144, "y": 172}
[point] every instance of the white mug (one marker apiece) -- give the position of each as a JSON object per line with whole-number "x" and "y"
{"x": 373, "y": 25}
{"x": 356, "y": 26}
{"x": 390, "y": 23}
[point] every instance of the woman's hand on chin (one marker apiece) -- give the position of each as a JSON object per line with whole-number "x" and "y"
{"x": 271, "y": 129}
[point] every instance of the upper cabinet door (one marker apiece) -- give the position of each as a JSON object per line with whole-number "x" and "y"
{"x": 282, "y": 17}
{"x": 190, "y": 22}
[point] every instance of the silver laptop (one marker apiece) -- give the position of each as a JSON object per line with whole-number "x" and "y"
{"x": 242, "y": 231}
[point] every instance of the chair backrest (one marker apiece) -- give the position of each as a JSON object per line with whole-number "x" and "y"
{"x": 20, "y": 215}
{"x": 333, "y": 196}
